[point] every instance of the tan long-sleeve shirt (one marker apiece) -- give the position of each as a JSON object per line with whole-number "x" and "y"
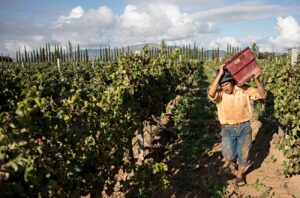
{"x": 236, "y": 108}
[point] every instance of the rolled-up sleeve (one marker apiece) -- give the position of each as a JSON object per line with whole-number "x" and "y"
{"x": 217, "y": 98}
{"x": 254, "y": 94}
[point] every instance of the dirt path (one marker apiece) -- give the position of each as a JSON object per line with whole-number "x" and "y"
{"x": 265, "y": 178}
{"x": 208, "y": 178}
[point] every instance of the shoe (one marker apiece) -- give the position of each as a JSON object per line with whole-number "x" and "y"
{"x": 233, "y": 166}
{"x": 240, "y": 182}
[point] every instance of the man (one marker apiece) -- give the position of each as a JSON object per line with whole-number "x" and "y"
{"x": 234, "y": 113}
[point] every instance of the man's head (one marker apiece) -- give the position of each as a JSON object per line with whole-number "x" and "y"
{"x": 227, "y": 82}
{"x": 227, "y": 87}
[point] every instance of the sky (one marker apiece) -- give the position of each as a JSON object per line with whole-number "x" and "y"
{"x": 274, "y": 25}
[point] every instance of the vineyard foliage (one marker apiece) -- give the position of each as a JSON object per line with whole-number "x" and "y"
{"x": 68, "y": 133}
{"x": 282, "y": 81}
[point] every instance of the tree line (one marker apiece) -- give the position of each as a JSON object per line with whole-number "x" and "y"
{"x": 69, "y": 53}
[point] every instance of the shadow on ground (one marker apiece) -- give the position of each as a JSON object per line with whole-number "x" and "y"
{"x": 261, "y": 145}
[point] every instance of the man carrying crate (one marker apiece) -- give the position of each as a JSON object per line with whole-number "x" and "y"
{"x": 234, "y": 113}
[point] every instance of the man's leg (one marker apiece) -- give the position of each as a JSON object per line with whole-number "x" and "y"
{"x": 243, "y": 147}
{"x": 229, "y": 147}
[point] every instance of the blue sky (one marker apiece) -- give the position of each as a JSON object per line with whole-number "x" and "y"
{"x": 273, "y": 25}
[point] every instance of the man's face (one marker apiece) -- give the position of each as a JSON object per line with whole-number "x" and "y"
{"x": 227, "y": 87}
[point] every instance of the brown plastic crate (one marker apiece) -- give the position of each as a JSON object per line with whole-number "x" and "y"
{"x": 242, "y": 66}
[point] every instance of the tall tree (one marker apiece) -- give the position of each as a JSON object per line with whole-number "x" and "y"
{"x": 70, "y": 51}
{"x": 78, "y": 53}
{"x": 255, "y": 50}
{"x": 25, "y": 54}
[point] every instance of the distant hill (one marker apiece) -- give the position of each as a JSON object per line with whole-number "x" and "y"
{"x": 222, "y": 53}
{"x": 133, "y": 48}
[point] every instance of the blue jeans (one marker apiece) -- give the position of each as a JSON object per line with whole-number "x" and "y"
{"x": 236, "y": 142}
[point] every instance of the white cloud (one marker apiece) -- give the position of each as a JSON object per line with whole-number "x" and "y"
{"x": 30, "y": 42}
{"x": 134, "y": 20}
{"x": 76, "y": 13}
{"x": 288, "y": 37}
{"x": 154, "y": 22}
{"x": 239, "y": 12}
{"x": 137, "y": 24}
{"x": 151, "y": 22}
{"x": 94, "y": 26}
{"x": 13, "y": 46}
{"x": 37, "y": 38}
{"x": 289, "y": 33}
{"x": 223, "y": 42}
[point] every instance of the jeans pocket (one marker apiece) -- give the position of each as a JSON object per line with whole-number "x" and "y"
{"x": 247, "y": 129}
{"x": 225, "y": 132}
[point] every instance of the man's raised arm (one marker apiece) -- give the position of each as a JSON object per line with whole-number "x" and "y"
{"x": 213, "y": 87}
{"x": 260, "y": 87}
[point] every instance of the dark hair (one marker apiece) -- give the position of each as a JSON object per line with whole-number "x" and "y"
{"x": 231, "y": 81}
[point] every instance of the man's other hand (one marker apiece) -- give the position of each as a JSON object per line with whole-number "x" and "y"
{"x": 221, "y": 71}
{"x": 257, "y": 74}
